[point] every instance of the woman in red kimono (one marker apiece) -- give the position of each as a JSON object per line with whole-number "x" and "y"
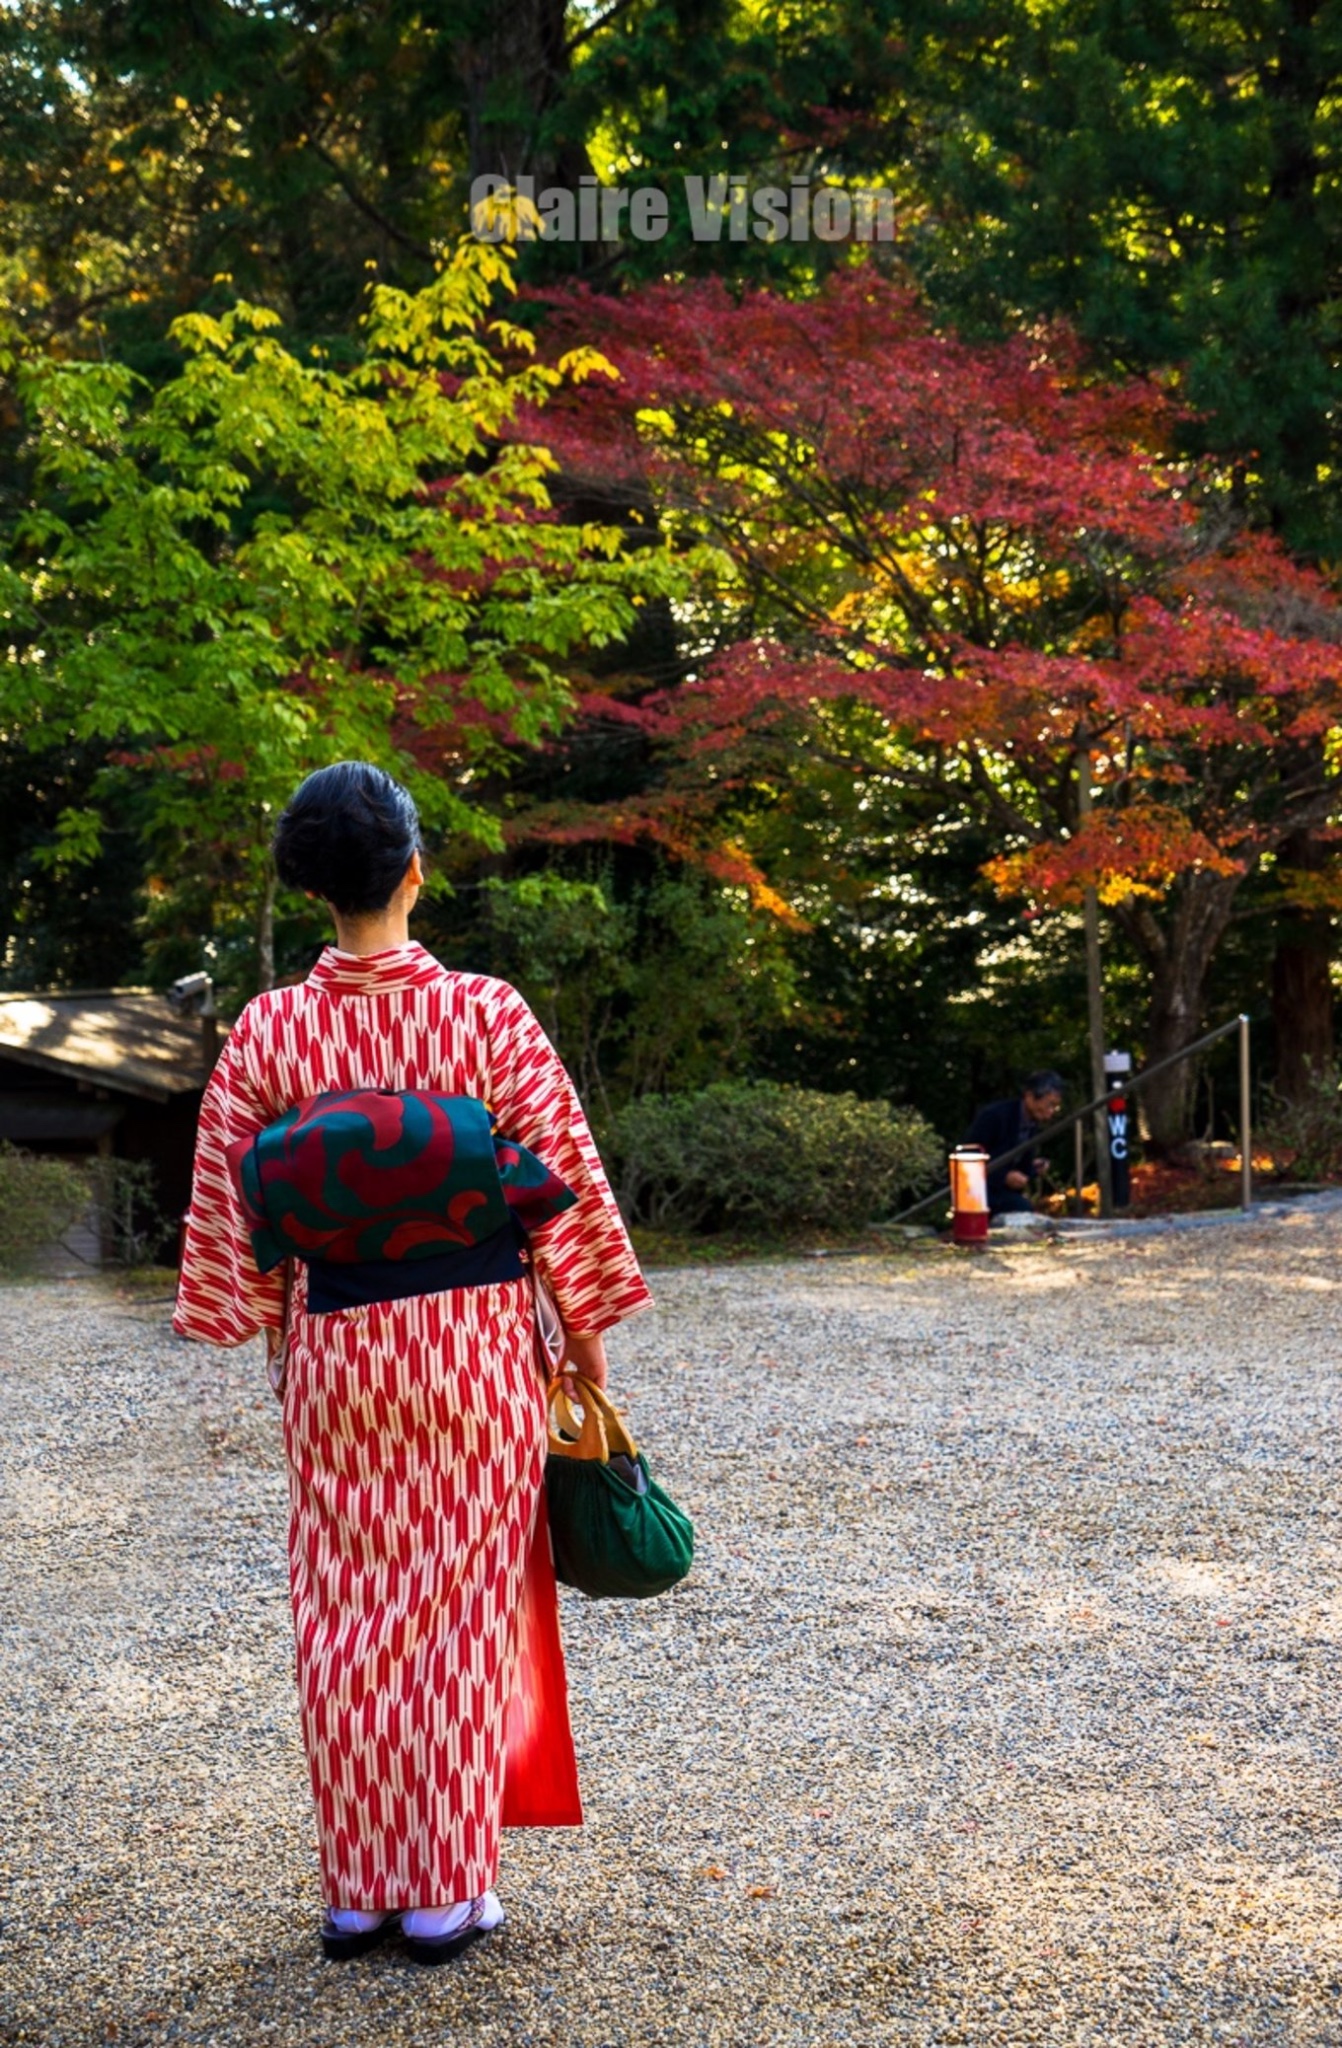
{"x": 430, "y": 1677}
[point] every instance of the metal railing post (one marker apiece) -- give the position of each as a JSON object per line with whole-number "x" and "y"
{"x": 1080, "y": 1136}
{"x": 1245, "y": 1123}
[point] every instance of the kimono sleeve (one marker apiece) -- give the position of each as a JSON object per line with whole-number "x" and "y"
{"x": 221, "y": 1297}
{"x": 584, "y": 1256}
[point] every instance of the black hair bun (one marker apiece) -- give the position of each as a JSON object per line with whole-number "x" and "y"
{"x": 348, "y": 834}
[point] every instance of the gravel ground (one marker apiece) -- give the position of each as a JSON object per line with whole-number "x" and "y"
{"x": 1001, "y": 1707}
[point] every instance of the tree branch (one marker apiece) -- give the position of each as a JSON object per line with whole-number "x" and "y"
{"x": 584, "y": 35}
{"x": 366, "y": 206}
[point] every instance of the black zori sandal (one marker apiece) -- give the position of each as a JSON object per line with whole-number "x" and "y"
{"x": 440, "y": 1948}
{"x": 339, "y": 1947}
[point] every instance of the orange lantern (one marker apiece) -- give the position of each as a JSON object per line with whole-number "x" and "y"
{"x": 969, "y": 1195}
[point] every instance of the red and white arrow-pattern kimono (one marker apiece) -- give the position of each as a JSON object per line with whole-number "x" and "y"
{"x": 424, "y": 1612}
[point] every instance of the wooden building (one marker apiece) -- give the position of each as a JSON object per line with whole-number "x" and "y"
{"x": 113, "y": 1071}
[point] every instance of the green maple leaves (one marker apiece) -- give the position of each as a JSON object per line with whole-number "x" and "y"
{"x": 272, "y": 561}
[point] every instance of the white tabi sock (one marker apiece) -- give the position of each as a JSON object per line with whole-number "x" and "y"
{"x": 349, "y": 1920}
{"x": 435, "y": 1923}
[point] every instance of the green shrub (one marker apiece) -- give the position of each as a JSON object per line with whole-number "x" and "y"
{"x": 758, "y": 1155}
{"x": 1305, "y": 1137}
{"x": 134, "y": 1229}
{"x": 42, "y": 1198}
{"x": 39, "y": 1200}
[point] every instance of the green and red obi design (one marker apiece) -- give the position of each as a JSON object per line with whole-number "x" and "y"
{"x": 386, "y": 1193}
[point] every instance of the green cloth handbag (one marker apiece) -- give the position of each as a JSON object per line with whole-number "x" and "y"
{"x": 614, "y": 1537}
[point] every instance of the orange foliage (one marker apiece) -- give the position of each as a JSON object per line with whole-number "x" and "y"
{"x": 1136, "y": 851}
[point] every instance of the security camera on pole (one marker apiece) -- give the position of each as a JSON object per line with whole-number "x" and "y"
{"x": 192, "y": 995}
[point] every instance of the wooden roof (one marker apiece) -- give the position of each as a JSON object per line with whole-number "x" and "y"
{"x": 127, "y": 1040}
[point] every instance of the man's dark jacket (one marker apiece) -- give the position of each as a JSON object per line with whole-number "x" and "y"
{"x": 997, "y": 1128}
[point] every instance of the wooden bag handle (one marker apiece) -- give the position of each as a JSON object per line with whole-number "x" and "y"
{"x": 598, "y": 1434}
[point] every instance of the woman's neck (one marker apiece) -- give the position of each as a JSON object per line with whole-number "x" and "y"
{"x": 364, "y": 935}
{"x": 377, "y": 931}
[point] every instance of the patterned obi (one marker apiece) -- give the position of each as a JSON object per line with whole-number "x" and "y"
{"x": 385, "y": 1193}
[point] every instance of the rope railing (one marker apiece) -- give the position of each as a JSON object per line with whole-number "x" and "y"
{"x": 1129, "y": 1086}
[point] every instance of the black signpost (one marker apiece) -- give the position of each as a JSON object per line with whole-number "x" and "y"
{"x": 1117, "y": 1067}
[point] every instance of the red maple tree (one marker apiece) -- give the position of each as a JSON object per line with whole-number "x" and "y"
{"x": 1062, "y": 623}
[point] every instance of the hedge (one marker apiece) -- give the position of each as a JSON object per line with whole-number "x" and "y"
{"x": 759, "y": 1155}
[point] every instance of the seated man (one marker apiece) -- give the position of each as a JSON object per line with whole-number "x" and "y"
{"x": 1000, "y": 1125}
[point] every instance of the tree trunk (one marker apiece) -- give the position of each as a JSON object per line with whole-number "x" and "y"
{"x": 1173, "y": 1021}
{"x": 1180, "y": 953}
{"x": 1302, "y": 984}
{"x": 513, "y": 63}
{"x": 1302, "y": 1006}
{"x": 1295, "y": 84}
{"x": 1104, "y": 1172}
